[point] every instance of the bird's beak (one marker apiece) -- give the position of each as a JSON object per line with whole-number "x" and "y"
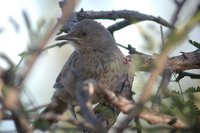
{"x": 66, "y": 37}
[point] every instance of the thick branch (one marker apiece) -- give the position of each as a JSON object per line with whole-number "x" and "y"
{"x": 126, "y": 14}
{"x": 186, "y": 61}
{"x": 130, "y": 17}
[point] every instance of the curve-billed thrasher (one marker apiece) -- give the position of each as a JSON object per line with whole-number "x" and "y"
{"x": 96, "y": 56}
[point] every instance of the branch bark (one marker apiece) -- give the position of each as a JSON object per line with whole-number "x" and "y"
{"x": 186, "y": 61}
{"x": 51, "y": 116}
{"x": 147, "y": 114}
{"x": 130, "y": 16}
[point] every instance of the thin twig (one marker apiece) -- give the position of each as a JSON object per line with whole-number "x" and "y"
{"x": 55, "y": 45}
{"x": 147, "y": 114}
{"x": 162, "y": 35}
{"x": 179, "y": 6}
{"x": 119, "y": 25}
{"x": 182, "y": 97}
{"x": 184, "y": 74}
{"x": 138, "y": 125}
{"x": 68, "y": 8}
{"x": 21, "y": 123}
{"x": 166, "y": 76}
{"x": 37, "y": 108}
{"x": 51, "y": 116}
{"x": 7, "y": 59}
{"x": 14, "y": 23}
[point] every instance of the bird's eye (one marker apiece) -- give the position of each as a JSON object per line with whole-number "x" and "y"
{"x": 84, "y": 34}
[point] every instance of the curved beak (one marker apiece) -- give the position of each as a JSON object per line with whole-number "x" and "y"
{"x": 66, "y": 37}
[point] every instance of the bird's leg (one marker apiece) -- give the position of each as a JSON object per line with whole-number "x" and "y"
{"x": 72, "y": 111}
{"x": 161, "y": 89}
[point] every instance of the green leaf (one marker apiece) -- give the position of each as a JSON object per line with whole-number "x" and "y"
{"x": 23, "y": 54}
{"x": 192, "y": 89}
{"x": 194, "y": 43}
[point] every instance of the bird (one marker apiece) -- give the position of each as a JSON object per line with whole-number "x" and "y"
{"x": 96, "y": 56}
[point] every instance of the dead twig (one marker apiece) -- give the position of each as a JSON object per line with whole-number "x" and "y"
{"x": 179, "y": 6}
{"x": 67, "y": 9}
{"x": 129, "y": 16}
{"x": 184, "y": 74}
{"x": 51, "y": 116}
{"x": 147, "y": 114}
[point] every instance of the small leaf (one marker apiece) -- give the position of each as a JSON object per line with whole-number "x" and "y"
{"x": 27, "y": 20}
{"x": 194, "y": 43}
{"x": 193, "y": 89}
{"x": 23, "y": 54}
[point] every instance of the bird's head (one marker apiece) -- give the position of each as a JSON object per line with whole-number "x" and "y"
{"x": 89, "y": 35}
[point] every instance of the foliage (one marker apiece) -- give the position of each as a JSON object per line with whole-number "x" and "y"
{"x": 194, "y": 43}
{"x": 188, "y": 109}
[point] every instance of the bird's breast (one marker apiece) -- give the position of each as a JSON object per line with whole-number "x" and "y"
{"x": 103, "y": 68}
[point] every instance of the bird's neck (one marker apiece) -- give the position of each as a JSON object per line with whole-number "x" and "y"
{"x": 111, "y": 53}
{"x": 92, "y": 51}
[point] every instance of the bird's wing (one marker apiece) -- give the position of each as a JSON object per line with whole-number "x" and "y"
{"x": 64, "y": 72}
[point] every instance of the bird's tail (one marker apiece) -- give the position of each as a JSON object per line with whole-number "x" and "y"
{"x": 57, "y": 106}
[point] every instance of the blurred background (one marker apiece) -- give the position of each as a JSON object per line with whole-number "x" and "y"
{"x": 16, "y": 38}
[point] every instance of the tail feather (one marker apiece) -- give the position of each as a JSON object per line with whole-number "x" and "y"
{"x": 56, "y": 106}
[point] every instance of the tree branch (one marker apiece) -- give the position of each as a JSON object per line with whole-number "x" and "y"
{"x": 119, "y": 25}
{"x": 66, "y": 14}
{"x": 130, "y": 17}
{"x": 186, "y": 61}
{"x": 147, "y": 114}
{"x": 51, "y": 116}
{"x": 134, "y": 16}
{"x": 183, "y": 74}
{"x": 179, "y": 6}
{"x": 166, "y": 76}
